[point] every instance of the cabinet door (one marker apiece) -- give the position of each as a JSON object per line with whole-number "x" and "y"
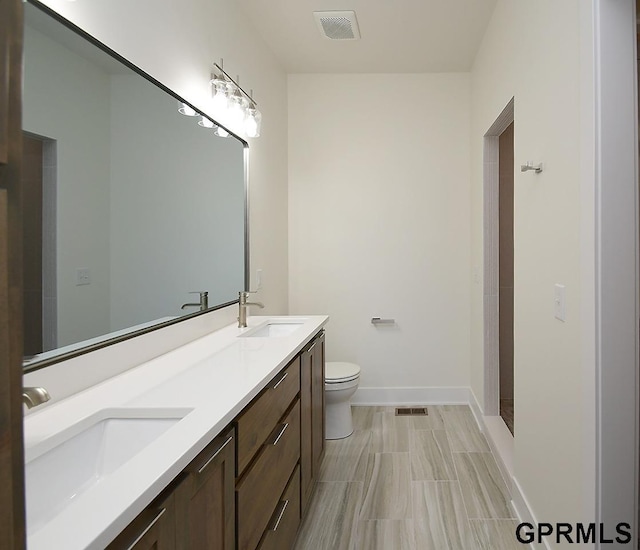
{"x": 311, "y": 417}
{"x": 153, "y": 529}
{"x": 317, "y": 403}
{"x": 205, "y": 501}
{"x": 306, "y": 470}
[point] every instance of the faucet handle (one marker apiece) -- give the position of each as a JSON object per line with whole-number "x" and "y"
{"x": 201, "y": 292}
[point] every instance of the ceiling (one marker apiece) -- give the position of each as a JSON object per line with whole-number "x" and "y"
{"x": 398, "y": 36}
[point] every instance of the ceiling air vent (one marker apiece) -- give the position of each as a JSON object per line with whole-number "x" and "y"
{"x": 338, "y": 25}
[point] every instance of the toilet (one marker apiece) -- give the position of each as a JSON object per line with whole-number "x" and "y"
{"x": 340, "y": 383}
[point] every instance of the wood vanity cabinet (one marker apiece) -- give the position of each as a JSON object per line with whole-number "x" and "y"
{"x": 283, "y": 527}
{"x": 312, "y": 416}
{"x": 196, "y": 512}
{"x": 268, "y": 453}
{"x": 153, "y": 529}
{"x": 205, "y": 500}
{"x": 250, "y": 487}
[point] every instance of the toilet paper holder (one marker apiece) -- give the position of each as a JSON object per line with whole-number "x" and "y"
{"x": 381, "y": 321}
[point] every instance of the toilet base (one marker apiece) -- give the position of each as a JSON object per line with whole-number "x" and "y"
{"x": 339, "y": 423}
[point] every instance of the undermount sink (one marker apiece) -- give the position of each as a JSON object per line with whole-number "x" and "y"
{"x": 274, "y": 329}
{"x": 71, "y": 462}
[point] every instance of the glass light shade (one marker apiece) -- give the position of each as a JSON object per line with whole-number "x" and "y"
{"x": 253, "y": 123}
{"x": 220, "y": 92}
{"x": 237, "y": 108}
{"x": 184, "y": 109}
{"x": 206, "y": 123}
{"x": 221, "y": 132}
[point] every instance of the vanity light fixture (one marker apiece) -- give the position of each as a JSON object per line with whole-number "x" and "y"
{"x": 229, "y": 97}
{"x": 186, "y": 110}
{"x": 220, "y": 90}
{"x": 221, "y": 132}
{"x": 253, "y": 122}
{"x": 237, "y": 108}
{"x": 206, "y": 123}
{"x": 231, "y": 102}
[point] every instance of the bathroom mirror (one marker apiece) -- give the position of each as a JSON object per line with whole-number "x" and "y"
{"x": 129, "y": 205}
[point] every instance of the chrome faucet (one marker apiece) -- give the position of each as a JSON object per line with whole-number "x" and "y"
{"x": 244, "y": 305}
{"x": 32, "y": 397}
{"x": 203, "y": 304}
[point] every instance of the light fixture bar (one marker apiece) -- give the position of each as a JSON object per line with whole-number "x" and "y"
{"x": 235, "y": 83}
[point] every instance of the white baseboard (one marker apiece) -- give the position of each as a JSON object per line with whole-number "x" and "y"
{"x": 501, "y": 443}
{"x": 498, "y": 436}
{"x": 523, "y": 511}
{"x": 411, "y": 396}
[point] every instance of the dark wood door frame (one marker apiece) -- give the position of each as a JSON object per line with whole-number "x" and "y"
{"x": 12, "y": 512}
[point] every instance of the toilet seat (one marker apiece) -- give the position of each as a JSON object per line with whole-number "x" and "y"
{"x": 339, "y": 372}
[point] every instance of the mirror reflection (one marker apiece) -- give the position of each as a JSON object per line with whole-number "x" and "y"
{"x": 129, "y": 205}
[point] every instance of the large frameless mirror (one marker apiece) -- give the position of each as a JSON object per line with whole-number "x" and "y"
{"x": 129, "y": 206}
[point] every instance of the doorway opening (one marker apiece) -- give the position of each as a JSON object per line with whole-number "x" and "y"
{"x": 505, "y": 270}
{"x": 38, "y": 180}
{"x": 498, "y": 286}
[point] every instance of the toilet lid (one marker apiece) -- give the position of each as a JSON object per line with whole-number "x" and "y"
{"x": 340, "y": 372}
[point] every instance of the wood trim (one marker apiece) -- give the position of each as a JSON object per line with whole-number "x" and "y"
{"x": 12, "y": 518}
{"x": 5, "y": 29}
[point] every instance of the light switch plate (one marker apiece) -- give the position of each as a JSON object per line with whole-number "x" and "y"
{"x": 559, "y": 302}
{"x": 83, "y": 276}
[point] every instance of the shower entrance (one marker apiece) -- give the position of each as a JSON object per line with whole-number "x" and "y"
{"x": 498, "y": 268}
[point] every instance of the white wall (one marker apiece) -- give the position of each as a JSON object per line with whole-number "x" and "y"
{"x": 540, "y": 53}
{"x": 79, "y": 122}
{"x": 379, "y": 221}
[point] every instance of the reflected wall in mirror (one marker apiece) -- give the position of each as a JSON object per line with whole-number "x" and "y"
{"x": 129, "y": 205}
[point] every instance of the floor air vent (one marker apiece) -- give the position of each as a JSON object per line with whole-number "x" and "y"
{"x": 411, "y": 411}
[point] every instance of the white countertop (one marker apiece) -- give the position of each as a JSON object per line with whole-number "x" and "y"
{"x": 215, "y": 376}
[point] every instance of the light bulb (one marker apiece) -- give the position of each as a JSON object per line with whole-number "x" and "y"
{"x": 220, "y": 91}
{"x": 253, "y": 122}
{"x": 206, "y": 123}
{"x": 186, "y": 110}
{"x": 237, "y": 108}
{"x": 221, "y": 132}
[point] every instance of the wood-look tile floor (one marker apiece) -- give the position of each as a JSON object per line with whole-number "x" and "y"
{"x": 420, "y": 482}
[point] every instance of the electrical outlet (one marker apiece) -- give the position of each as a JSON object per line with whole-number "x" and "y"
{"x": 258, "y": 279}
{"x": 83, "y": 276}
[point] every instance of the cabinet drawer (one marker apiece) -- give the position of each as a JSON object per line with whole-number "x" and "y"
{"x": 259, "y": 491}
{"x": 283, "y": 527}
{"x": 259, "y": 419}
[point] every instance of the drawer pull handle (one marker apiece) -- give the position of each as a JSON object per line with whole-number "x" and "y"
{"x": 202, "y": 468}
{"x": 279, "y": 519}
{"x": 284, "y": 429}
{"x": 280, "y": 381}
{"x": 147, "y": 529}
{"x": 312, "y": 346}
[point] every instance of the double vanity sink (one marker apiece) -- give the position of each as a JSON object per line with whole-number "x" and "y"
{"x": 73, "y": 461}
{"x": 96, "y": 459}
